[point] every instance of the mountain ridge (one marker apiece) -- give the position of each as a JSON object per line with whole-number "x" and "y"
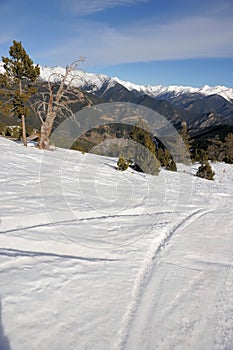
{"x": 203, "y": 109}
{"x": 96, "y": 81}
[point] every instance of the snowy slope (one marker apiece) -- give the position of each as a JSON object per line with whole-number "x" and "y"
{"x": 92, "y": 258}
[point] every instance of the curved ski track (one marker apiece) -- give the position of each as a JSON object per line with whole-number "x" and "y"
{"x": 144, "y": 274}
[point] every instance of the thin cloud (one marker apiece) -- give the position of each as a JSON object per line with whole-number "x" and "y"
{"x": 192, "y": 37}
{"x": 84, "y": 7}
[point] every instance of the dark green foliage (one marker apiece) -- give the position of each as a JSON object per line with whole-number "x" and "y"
{"x": 2, "y": 128}
{"x": 145, "y": 149}
{"x": 3, "y": 81}
{"x": 201, "y": 156}
{"x": 171, "y": 165}
{"x": 166, "y": 159}
{"x": 205, "y": 171}
{"x": 20, "y": 66}
{"x": 14, "y": 132}
{"x": 16, "y": 83}
{"x": 221, "y": 149}
{"x": 163, "y": 156}
{"x": 215, "y": 149}
{"x": 19, "y": 102}
{"x": 122, "y": 163}
{"x": 229, "y": 149}
{"x": 81, "y": 145}
{"x": 196, "y": 155}
{"x": 141, "y": 135}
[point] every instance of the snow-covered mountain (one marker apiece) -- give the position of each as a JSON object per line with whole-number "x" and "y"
{"x": 202, "y": 108}
{"x": 95, "y": 82}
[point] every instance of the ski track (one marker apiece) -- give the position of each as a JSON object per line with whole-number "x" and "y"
{"x": 191, "y": 326}
{"x": 144, "y": 275}
{"x": 163, "y": 311}
{"x": 18, "y": 252}
{"x": 185, "y": 338}
{"x": 63, "y": 222}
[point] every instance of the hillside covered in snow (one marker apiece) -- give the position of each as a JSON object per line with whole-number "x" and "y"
{"x": 92, "y": 258}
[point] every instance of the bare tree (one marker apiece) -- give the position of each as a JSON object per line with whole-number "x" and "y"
{"x": 57, "y": 99}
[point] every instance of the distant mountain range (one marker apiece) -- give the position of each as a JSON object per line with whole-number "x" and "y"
{"x": 204, "y": 109}
{"x": 100, "y": 84}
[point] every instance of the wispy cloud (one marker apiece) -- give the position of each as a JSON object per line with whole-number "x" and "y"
{"x": 191, "y": 37}
{"x": 84, "y": 7}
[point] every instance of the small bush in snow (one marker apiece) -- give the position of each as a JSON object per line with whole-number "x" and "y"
{"x": 205, "y": 171}
{"x": 122, "y": 163}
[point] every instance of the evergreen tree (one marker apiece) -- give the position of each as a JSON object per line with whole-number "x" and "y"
{"x": 183, "y": 149}
{"x": 163, "y": 156}
{"x": 203, "y": 157}
{"x": 122, "y": 163}
{"x": 145, "y": 155}
{"x": 20, "y": 66}
{"x": 215, "y": 149}
{"x": 186, "y": 137}
{"x": 205, "y": 171}
{"x": 171, "y": 166}
{"x": 229, "y": 149}
{"x": 165, "y": 159}
{"x": 17, "y": 81}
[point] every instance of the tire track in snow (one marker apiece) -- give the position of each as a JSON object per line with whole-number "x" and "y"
{"x": 144, "y": 274}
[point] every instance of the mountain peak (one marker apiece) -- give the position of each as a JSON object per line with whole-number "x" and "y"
{"x": 98, "y": 81}
{"x": 93, "y": 82}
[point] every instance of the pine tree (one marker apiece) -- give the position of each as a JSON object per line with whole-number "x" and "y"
{"x": 203, "y": 156}
{"x": 186, "y": 137}
{"x": 215, "y": 149}
{"x": 19, "y": 75}
{"x": 205, "y": 171}
{"x": 171, "y": 166}
{"x": 145, "y": 151}
{"x": 165, "y": 159}
{"x": 183, "y": 149}
{"x": 163, "y": 156}
{"x": 20, "y": 66}
{"x": 229, "y": 149}
{"x": 122, "y": 163}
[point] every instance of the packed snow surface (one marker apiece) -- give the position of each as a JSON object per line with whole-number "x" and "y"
{"x": 92, "y": 258}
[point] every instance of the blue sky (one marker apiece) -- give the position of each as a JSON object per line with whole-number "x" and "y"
{"x": 156, "y": 42}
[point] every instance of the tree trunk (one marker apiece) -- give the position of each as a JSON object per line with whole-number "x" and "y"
{"x": 24, "y": 131}
{"x": 45, "y": 131}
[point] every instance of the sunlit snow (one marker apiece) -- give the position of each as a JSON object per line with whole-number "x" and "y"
{"x": 92, "y": 258}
